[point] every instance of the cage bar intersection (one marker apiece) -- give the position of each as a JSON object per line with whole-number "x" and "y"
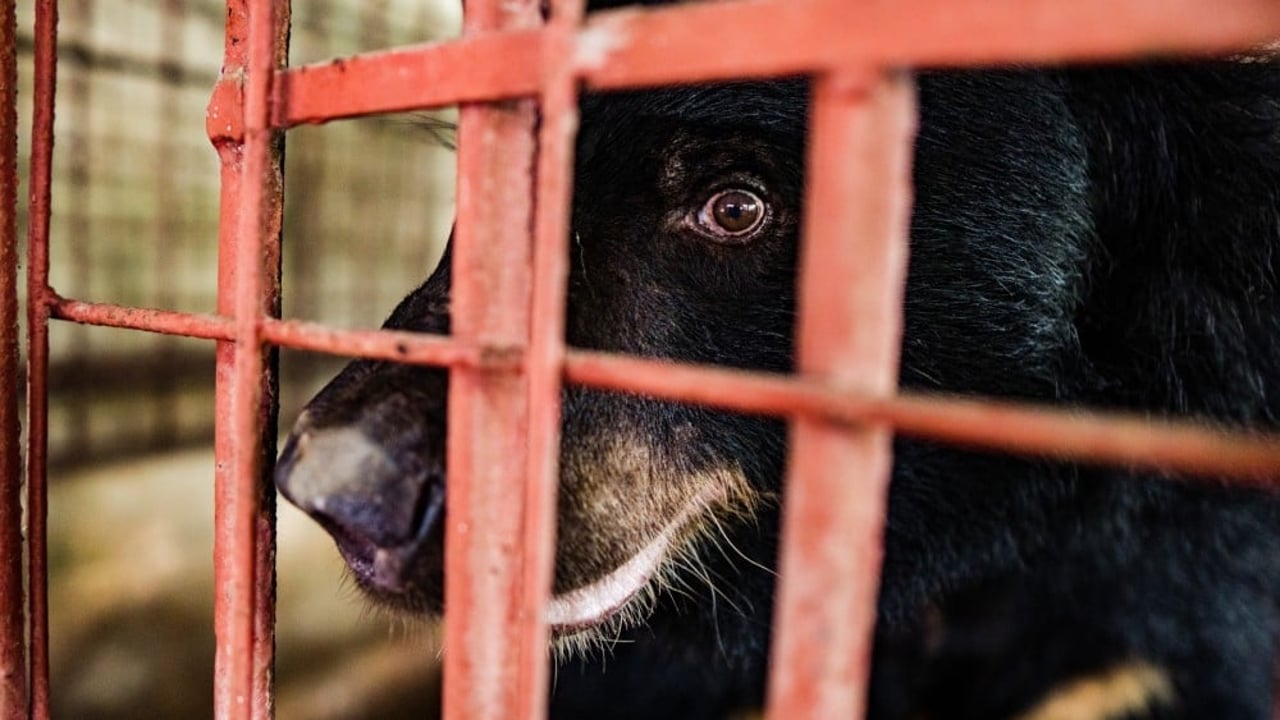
{"x": 507, "y": 356}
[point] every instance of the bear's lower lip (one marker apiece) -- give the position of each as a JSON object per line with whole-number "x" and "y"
{"x": 585, "y": 607}
{"x": 588, "y": 606}
{"x": 382, "y": 571}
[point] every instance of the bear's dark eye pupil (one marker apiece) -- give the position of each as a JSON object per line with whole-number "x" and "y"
{"x": 733, "y": 213}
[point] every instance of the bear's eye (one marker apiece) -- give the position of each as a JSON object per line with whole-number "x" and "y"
{"x": 732, "y": 215}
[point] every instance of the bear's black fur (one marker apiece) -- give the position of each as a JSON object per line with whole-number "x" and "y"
{"x": 1101, "y": 236}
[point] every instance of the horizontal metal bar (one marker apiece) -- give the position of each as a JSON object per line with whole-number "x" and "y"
{"x": 1075, "y": 434}
{"x": 395, "y": 345}
{"x": 783, "y": 37}
{"x": 399, "y": 346}
{"x": 763, "y": 38}
{"x": 1170, "y": 445}
{"x": 166, "y": 322}
{"x": 483, "y": 67}
{"x": 1068, "y": 434}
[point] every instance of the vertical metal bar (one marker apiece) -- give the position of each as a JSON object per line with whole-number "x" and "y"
{"x": 13, "y": 670}
{"x": 545, "y": 360}
{"x": 39, "y": 296}
{"x": 248, "y": 288}
{"x": 853, "y": 268}
{"x": 487, "y": 452}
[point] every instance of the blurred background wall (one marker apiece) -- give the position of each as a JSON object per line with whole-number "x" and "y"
{"x": 135, "y": 197}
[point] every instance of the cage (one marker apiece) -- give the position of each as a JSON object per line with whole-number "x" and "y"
{"x": 506, "y": 352}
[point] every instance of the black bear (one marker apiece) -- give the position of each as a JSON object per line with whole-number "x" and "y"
{"x": 1101, "y": 236}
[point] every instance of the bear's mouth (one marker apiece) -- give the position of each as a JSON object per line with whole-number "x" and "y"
{"x": 586, "y": 607}
{"x": 409, "y": 575}
{"x": 382, "y": 571}
{"x": 592, "y": 605}
{"x": 389, "y": 569}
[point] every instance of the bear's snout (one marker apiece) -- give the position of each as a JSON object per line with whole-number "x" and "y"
{"x": 382, "y": 503}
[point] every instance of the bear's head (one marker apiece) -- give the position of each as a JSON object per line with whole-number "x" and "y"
{"x": 683, "y": 246}
{"x": 685, "y": 222}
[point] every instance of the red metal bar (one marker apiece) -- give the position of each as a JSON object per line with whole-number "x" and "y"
{"x": 406, "y": 347}
{"x": 211, "y": 327}
{"x": 758, "y": 38}
{"x": 782, "y": 37}
{"x": 38, "y": 294}
{"x": 400, "y": 346}
{"x": 248, "y": 290}
{"x": 496, "y": 591}
{"x": 1069, "y": 434}
{"x": 852, "y": 275}
{"x": 497, "y": 66}
{"x": 224, "y": 122}
{"x": 1175, "y": 446}
{"x": 13, "y": 658}
{"x": 488, "y": 418}
{"x": 546, "y": 347}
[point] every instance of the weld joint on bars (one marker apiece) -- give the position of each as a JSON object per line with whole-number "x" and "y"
{"x": 224, "y": 116}
{"x": 43, "y": 298}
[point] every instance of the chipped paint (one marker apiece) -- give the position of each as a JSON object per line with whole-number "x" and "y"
{"x": 597, "y": 43}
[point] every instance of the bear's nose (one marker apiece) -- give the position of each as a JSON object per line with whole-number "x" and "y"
{"x": 366, "y": 498}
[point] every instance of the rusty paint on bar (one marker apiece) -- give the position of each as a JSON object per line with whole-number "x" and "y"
{"x": 13, "y": 657}
{"x": 546, "y": 348}
{"x": 1002, "y": 425}
{"x": 224, "y": 121}
{"x": 395, "y": 345}
{"x": 248, "y": 290}
{"x": 851, "y": 281}
{"x": 225, "y": 105}
{"x": 757, "y": 38}
{"x": 255, "y": 391}
{"x": 45, "y": 81}
{"x": 399, "y": 346}
{"x": 488, "y": 419}
{"x": 497, "y": 66}
{"x": 167, "y": 322}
